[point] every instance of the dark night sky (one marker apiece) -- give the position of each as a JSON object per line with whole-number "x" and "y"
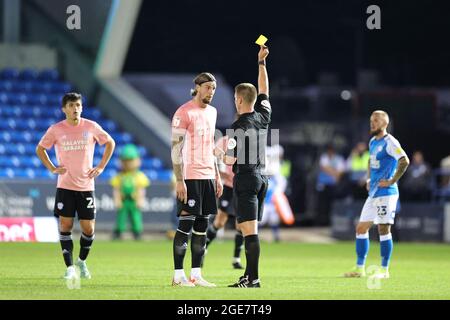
{"x": 305, "y": 38}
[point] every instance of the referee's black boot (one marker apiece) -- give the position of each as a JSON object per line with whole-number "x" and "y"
{"x": 237, "y": 265}
{"x": 245, "y": 283}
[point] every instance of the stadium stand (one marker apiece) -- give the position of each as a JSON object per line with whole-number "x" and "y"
{"x": 29, "y": 103}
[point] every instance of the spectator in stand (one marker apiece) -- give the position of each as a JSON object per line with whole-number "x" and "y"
{"x": 357, "y": 164}
{"x": 332, "y": 167}
{"x": 416, "y": 184}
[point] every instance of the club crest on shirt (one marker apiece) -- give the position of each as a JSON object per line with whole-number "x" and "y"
{"x": 85, "y": 134}
{"x": 60, "y": 205}
{"x": 191, "y": 203}
{"x": 379, "y": 149}
{"x": 176, "y": 121}
{"x": 224, "y": 203}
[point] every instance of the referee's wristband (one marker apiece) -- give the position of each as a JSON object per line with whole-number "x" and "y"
{"x": 262, "y": 62}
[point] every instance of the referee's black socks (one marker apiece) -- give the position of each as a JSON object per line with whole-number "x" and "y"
{"x": 238, "y": 242}
{"x": 65, "y": 238}
{"x": 252, "y": 254}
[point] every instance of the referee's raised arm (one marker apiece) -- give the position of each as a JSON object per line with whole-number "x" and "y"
{"x": 263, "y": 80}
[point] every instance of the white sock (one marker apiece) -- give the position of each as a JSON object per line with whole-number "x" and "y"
{"x": 179, "y": 273}
{"x": 236, "y": 260}
{"x": 196, "y": 273}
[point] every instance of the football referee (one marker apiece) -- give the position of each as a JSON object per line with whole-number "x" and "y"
{"x": 246, "y": 152}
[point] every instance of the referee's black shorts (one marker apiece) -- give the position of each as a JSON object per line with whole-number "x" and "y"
{"x": 249, "y": 192}
{"x": 201, "y": 198}
{"x": 226, "y": 201}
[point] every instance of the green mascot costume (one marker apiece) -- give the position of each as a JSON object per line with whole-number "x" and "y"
{"x": 129, "y": 192}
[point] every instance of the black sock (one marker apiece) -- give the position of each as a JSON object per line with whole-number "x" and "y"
{"x": 211, "y": 234}
{"x": 85, "y": 245}
{"x": 65, "y": 238}
{"x": 198, "y": 246}
{"x": 181, "y": 239}
{"x": 198, "y": 241}
{"x": 252, "y": 255}
{"x": 238, "y": 242}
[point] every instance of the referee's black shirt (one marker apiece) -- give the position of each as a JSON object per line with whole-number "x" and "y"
{"x": 249, "y": 137}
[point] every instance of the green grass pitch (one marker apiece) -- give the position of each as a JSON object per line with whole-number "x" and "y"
{"x": 143, "y": 270}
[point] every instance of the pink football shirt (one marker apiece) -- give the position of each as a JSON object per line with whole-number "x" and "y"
{"x": 226, "y": 171}
{"x": 198, "y": 125}
{"x": 74, "y": 147}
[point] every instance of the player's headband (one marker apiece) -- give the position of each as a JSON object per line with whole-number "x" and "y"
{"x": 204, "y": 77}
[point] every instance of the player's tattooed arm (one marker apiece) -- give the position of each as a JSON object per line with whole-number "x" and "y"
{"x": 402, "y": 165}
{"x": 177, "y": 163}
{"x": 219, "y": 185}
{"x": 368, "y": 176}
{"x": 177, "y": 158}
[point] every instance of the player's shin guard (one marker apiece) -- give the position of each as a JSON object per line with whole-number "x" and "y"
{"x": 252, "y": 250}
{"x": 362, "y": 248}
{"x": 180, "y": 241}
{"x": 65, "y": 238}
{"x": 238, "y": 242}
{"x": 198, "y": 240}
{"x": 211, "y": 234}
{"x": 85, "y": 245}
{"x": 386, "y": 246}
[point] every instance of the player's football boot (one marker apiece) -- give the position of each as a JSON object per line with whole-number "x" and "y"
{"x": 237, "y": 265}
{"x": 202, "y": 282}
{"x": 70, "y": 273}
{"x": 357, "y": 272}
{"x": 84, "y": 272}
{"x": 245, "y": 283}
{"x": 182, "y": 282}
{"x": 381, "y": 273}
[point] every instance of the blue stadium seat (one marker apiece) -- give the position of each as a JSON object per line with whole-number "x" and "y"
{"x": 22, "y": 137}
{"x": 151, "y": 174}
{"x": 43, "y": 173}
{"x": 54, "y": 99}
{"x": 108, "y": 125}
{"x": 142, "y": 151}
{"x": 6, "y": 85}
{"x": 122, "y": 138}
{"x": 9, "y": 74}
{"x": 2, "y": 148}
{"x": 91, "y": 113}
{"x": 165, "y": 175}
{"x": 16, "y": 163}
{"x": 49, "y": 75}
{"x": 6, "y": 173}
{"x": 5, "y": 161}
{"x": 5, "y": 137}
{"x": 108, "y": 174}
{"x": 7, "y": 124}
{"x": 38, "y": 99}
{"x": 23, "y": 86}
{"x": 26, "y": 173}
{"x": 10, "y": 111}
{"x": 28, "y": 74}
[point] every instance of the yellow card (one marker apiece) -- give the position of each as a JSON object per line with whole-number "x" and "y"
{"x": 261, "y": 40}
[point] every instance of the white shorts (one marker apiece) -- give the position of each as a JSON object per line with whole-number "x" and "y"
{"x": 380, "y": 210}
